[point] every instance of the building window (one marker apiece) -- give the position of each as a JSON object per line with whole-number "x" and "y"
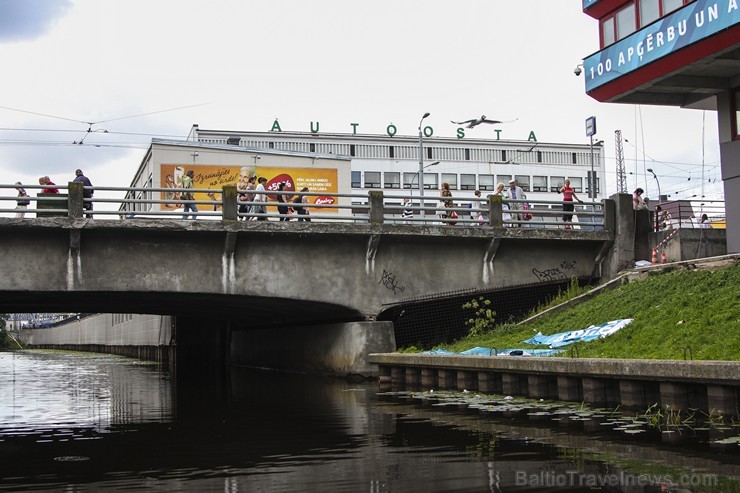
{"x": 671, "y": 5}
{"x": 576, "y": 184}
{"x": 312, "y": 147}
{"x": 391, "y": 151}
{"x": 467, "y": 154}
{"x": 467, "y": 182}
{"x": 372, "y": 179}
{"x": 430, "y": 181}
{"x": 356, "y": 179}
{"x": 485, "y": 182}
{"x": 556, "y": 183}
{"x": 450, "y": 179}
{"x": 410, "y": 180}
{"x": 351, "y": 149}
{"x": 503, "y": 155}
{"x": 539, "y": 156}
{"x": 649, "y": 11}
{"x": 392, "y": 179}
{"x": 539, "y": 184}
{"x": 271, "y": 145}
{"x": 503, "y": 179}
{"x": 429, "y": 153}
{"x": 626, "y": 23}
{"x": 608, "y": 36}
{"x": 523, "y": 181}
{"x": 575, "y": 159}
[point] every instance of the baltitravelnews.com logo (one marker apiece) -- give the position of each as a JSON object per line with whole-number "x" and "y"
{"x": 622, "y": 479}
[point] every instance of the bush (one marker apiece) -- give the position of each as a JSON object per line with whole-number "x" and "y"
{"x": 482, "y": 319}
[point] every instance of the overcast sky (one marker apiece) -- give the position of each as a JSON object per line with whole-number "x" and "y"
{"x": 141, "y": 69}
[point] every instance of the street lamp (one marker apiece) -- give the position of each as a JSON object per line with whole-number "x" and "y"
{"x": 590, "y": 132}
{"x": 656, "y": 181}
{"x": 417, "y": 174}
{"x": 421, "y": 160}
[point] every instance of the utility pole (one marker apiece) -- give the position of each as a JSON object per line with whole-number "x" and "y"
{"x": 621, "y": 173}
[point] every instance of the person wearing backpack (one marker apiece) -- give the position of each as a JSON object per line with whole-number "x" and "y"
{"x": 302, "y": 210}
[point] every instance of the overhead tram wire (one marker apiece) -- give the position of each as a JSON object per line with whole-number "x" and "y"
{"x": 90, "y": 124}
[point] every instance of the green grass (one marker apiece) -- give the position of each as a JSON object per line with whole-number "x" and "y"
{"x": 671, "y": 311}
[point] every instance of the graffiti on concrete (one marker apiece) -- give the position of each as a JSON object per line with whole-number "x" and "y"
{"x": 550, "y": 275}
{"x": 390, "y": 282}
{"x": 568, "y": 264}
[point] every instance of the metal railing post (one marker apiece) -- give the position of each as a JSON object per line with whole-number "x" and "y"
{"x": 495, "y": 211}
{"x": 376, "y": 206}
{"x": 74, "y": 199}
{"x": 229, "y": 208}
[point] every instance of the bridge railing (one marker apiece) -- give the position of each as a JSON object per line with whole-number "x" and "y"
{"x": 677, "y": 214}
{"x": 227, "y": 204}
{"x": 492, "y": 211}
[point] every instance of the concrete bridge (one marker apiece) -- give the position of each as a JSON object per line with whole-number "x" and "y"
{"x": 254, "y": 280}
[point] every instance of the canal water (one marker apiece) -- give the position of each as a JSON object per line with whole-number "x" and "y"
{"x": 87, "y": 422}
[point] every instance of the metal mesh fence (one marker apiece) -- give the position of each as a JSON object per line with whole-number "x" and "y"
{"x": 426, "y": 322}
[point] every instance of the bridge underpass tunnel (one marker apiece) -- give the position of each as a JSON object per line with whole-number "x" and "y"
{"x": 430, "y": 321}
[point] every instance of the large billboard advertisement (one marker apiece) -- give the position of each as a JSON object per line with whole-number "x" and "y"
{"x": 692, "y": 23}
{"x": 317, "y": 180}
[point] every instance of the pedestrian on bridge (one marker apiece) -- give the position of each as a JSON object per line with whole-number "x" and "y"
{"x": 245, "y": 196}
{"x": 447, "y": 203}
{"x": 260, "y": 196}
{"x": 408, "y": 213}
{"x": 45, "y": 180}
{"x": 515, "y": 192}
{"x": 568, "y": 196}
{"x": 23, "y": 200}
{"x": 505, "y": 214}
{"x": 187, "y": 195}
{"x": 283, "y": 200}
{"x": 302, "y": 209}
{"x": 86, "y": 194}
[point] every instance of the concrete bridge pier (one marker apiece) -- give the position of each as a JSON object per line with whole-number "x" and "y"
{"x": 334, "y": 349}
{"x": 202, "y": 347}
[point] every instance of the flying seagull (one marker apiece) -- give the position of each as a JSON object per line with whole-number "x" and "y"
{"x": 477, "y": 121}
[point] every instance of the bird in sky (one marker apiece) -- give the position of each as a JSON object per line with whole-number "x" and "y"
{"x": 477, "y": 121}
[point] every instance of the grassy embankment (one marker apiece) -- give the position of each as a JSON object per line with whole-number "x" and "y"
{"x": 671, "y": 311}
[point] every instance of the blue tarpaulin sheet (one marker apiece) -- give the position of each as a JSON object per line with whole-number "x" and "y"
{"x": 484, "y": 351}
{"x": 588, "y": 334}
{"x": 554, "y": 341}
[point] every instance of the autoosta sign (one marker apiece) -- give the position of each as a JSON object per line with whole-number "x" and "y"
{"x": 392, "y": 130}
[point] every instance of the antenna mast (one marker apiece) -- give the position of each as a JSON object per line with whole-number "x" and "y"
{"x": 621, "y": 173}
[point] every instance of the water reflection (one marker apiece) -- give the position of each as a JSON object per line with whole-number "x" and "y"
{"x": 79, "y": 422}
